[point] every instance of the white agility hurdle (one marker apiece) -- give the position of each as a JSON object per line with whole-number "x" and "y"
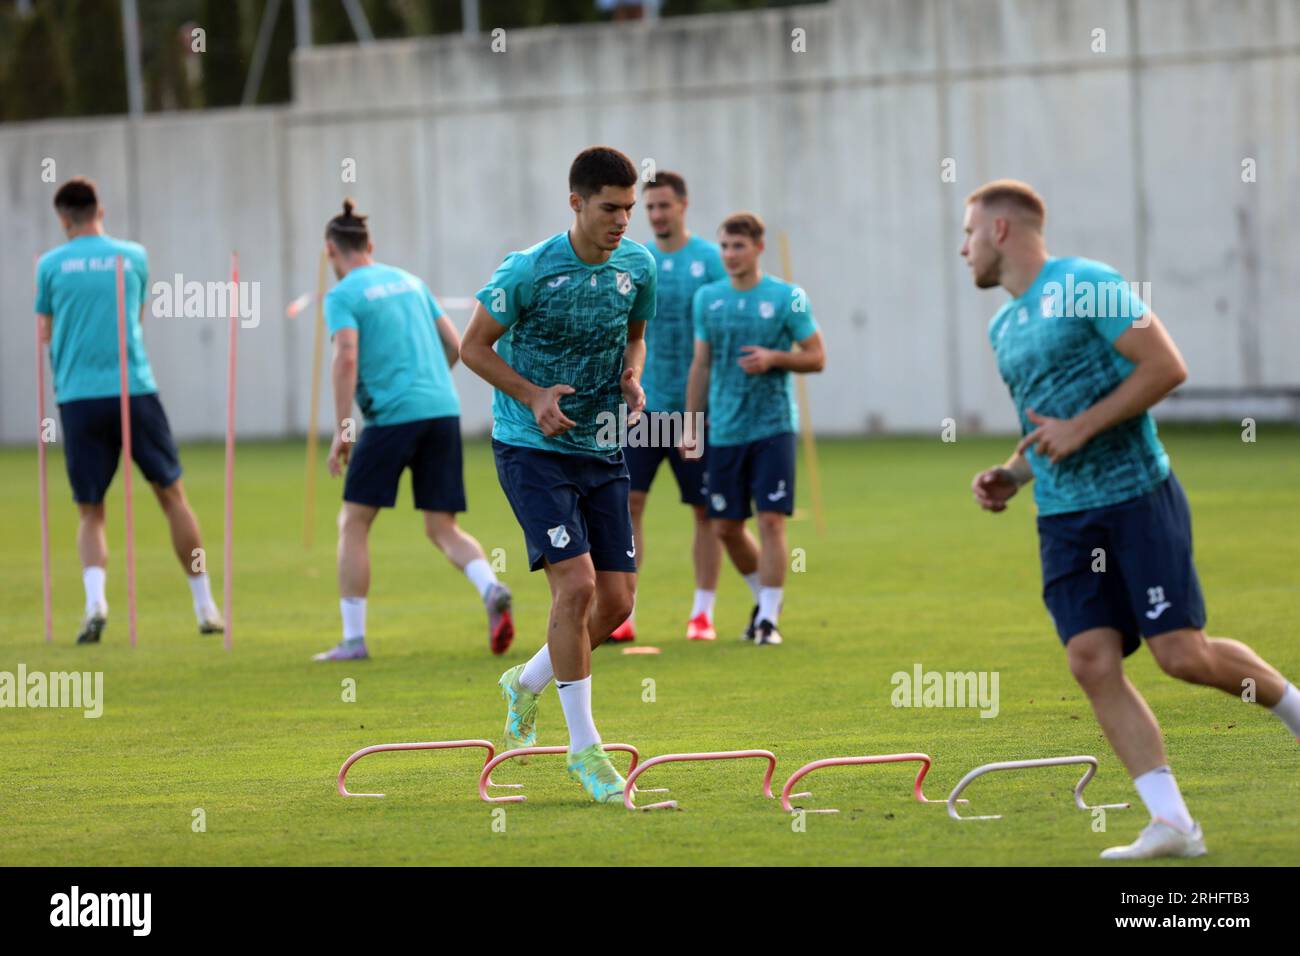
{"x": 1088, "y": 774}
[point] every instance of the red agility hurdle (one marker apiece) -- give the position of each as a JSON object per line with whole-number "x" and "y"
{"x": 851, "y": 761}
{"x": 429, "y": 745}
{"x": 1088, "y": 774}
{"x": 632, "y": 776}
{"x": 485, "y": 781}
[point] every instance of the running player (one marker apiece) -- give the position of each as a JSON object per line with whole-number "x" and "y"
{"x": 685, "y": 262}
{"x": 76, "y": 302}
{"x": 567, "y": 317}
{"x": 1085, "y": 359}
{"x": 745, "y": 327}
{"x": 393, "y": 352}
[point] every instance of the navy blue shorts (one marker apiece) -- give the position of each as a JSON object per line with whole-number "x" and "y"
{"x": 1148, "y": 585}
{"x": 643, "y": 463}
{"x": 569, "y": 505}
{"x": 92, "y": 434}
{"x": 761, "y": 471}
{"x": 430, "y": 447}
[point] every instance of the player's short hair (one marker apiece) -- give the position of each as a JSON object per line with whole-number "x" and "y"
{"x": 597, "y": 167}
{"x": 348, "y": 229}
{"x": 77, "y": 200}
{"x": 1013, "y": 193}
{"x": 665, "y": 178}
{"x": 744, "y": 224}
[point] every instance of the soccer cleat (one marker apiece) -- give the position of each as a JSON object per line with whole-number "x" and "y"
{"x": 356, "y": 651}
{"x": 749, "y": 630}
{"x": 700, "y": 628}
{"x": 1159, "y": 838}
{"x": 211, "y": 622}
{"x": 93, "y": 626}
{"x": 501, "y": 629}
{"x": 521, "y": 713}
{"x": 592, "y": 768}
{"x": 624, "y": 632}
{"x": 766, "y": 633}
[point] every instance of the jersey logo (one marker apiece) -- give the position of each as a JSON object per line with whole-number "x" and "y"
{"x": 593, "y": 280}
{"x": 1157, "y": 598}
{"x": 1022, "y": 316}
{"x": 623, "y": 282}
{"x": 779, "y": 493}
{"x": 632, "y": 553}
{"x": 719, "y": 502}
{"x": 766, "y": 310}
{"x": 559, "y": 536}
{"x": 697, "y": 268}
{"x": 666, "y": 266}
{"x": 557, "y": 282}
{"x": 715, "y": 305}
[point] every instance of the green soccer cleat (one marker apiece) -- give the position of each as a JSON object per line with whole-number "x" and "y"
{"x": 521, "y": 717}
{"x": 592, "y": 768}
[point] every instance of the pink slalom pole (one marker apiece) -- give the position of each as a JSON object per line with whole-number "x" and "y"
{"x": 228, "y": 542}
{"x": 45, "y": 491}
{"x": 129, "y": 463}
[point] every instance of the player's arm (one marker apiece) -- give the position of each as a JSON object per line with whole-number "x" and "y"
{"x": 633, "y": 364}
{"x": 343, "y": 374}
{"x": 810, "y": 356}
{"x": 697, "y": 396}
{"x": 994, "y": 487}
{"x": 476, "y": 349}
{"x": 45, "y": 327}
{"x": 1158, "y": 370}
{"x": 450, "y": 339}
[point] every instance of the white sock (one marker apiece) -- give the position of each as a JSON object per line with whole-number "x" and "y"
{"x": 769, "y": 604}
{"x": 480, "y": 575}
{"x": 755, "y": 585}
{"x": 1288, "y": 709}
{"x": 354, "y": 618}
{"x": 201, "y": 591}
{"x": 704, "y": 601}
{"x": 537, "y": 673}
{"x": 93, "y": 579}
{"x": 1159, "y": 791}
{"x": 575, "y": 698}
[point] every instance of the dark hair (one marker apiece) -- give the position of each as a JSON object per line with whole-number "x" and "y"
{"x": 598, "y": 167}
{"x": 665, "y": 178}
{"x": 744, "y": 224}
{"x": 348, "y": 230}
{"x": 77, "y": 200}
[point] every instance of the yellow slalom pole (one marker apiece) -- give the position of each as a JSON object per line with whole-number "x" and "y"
{"x": 805, "y": 414}
{"x": 309, "y": 493}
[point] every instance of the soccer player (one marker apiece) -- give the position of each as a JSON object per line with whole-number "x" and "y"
{"x": 685, "y": 262}
{"x": 76, "y": 302}
{"x": 1085, "y": 359}
{"x": 567, "y": 317}
{"x": 745, "y": 327}
{"x": 393, "y": 352}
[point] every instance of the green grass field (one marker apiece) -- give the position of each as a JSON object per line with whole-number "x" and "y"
{"x": 910, "y": 571}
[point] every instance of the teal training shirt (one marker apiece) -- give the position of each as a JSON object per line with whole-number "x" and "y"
{"x": 76, "y": 283}
{"x": 567, "y": 325}
{"x": 773, "y": 315}
{"x": 1055, "y": 350}
{"x": 402, "y": 371}
{"x": 670, "y": 341}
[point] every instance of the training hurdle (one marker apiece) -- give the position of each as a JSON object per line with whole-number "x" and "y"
{"x": 485, "y": 781}
{"x": 852, "y": 761}
{"x": 427, "y": 745}
{"x": 1088, "y": 774}
{"x": 630, "y": 791}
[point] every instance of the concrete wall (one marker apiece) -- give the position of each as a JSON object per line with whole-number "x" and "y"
{"x": 461, "y": 155}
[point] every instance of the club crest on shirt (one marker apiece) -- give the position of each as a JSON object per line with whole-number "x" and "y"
{"x": 697, "y": 268}
{"x": 623, "y": 282}
{"x": 715, "y": 305}
{"x": 666, "y": 266}
{"x": 719, "y": 502}
{"x": 1022, "y": 316}
{"x": 766, "y": 309}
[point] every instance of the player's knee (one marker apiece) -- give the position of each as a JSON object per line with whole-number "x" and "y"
{"x": 1094, "y": 668}
{"x": 576, "y": 589}
{"x": 1183, "y": 656}
{"x": 770, "y": 523}
{"x": 441, "y": 530}
{"x": 728, "y": 530}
